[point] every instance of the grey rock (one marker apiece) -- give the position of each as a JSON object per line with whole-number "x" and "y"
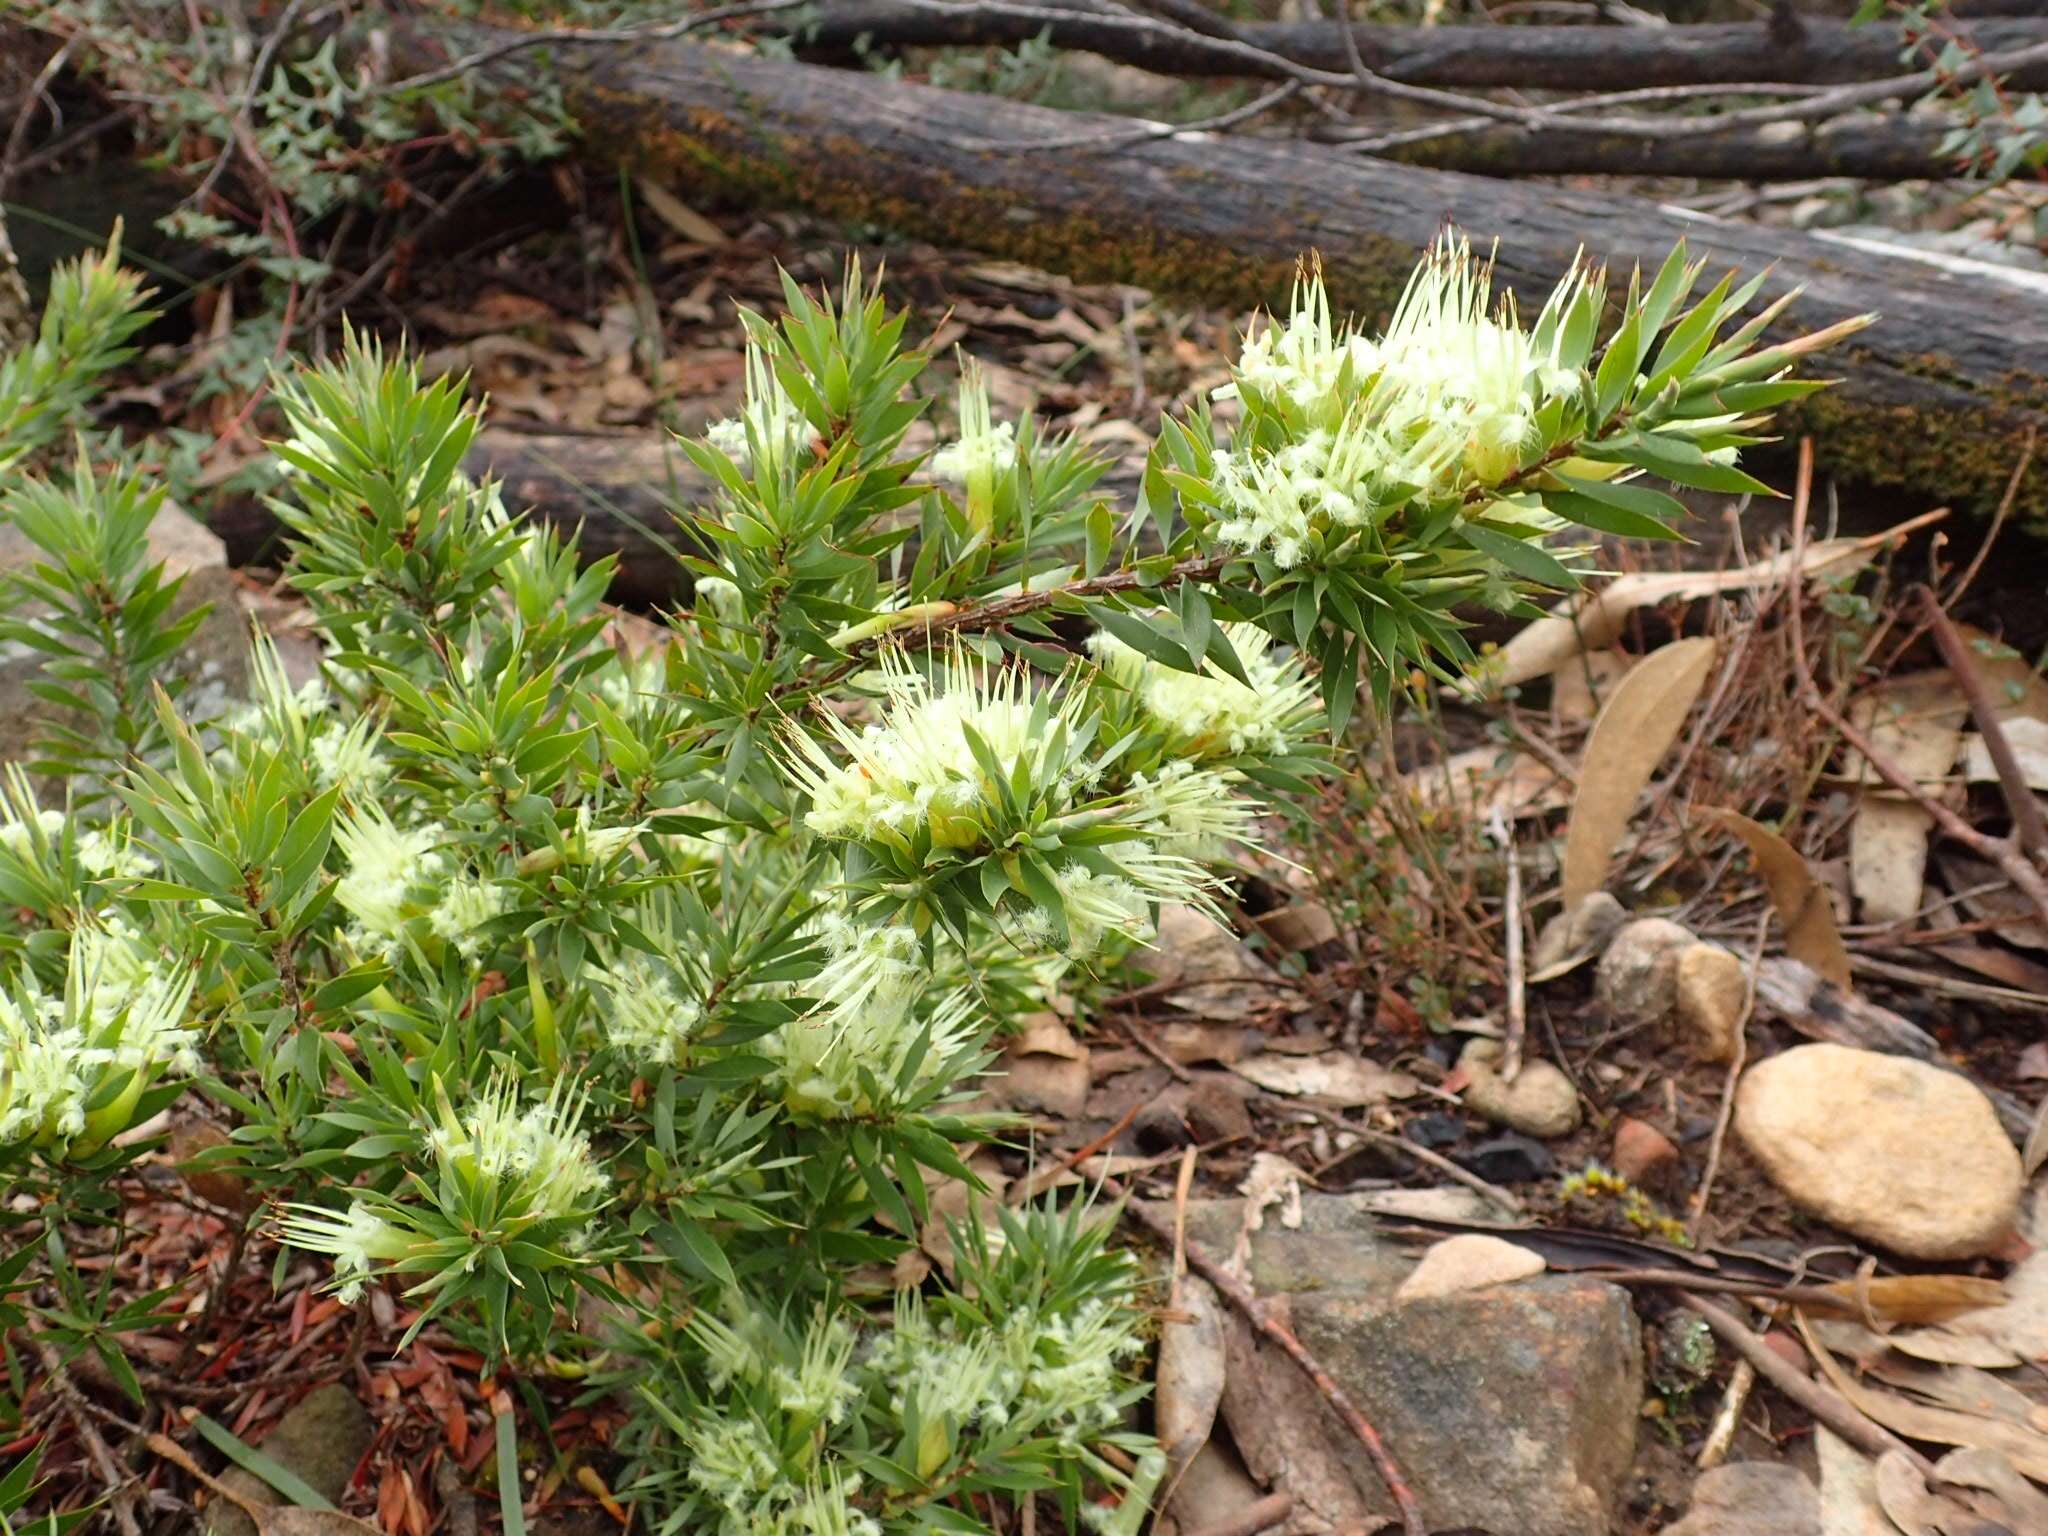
{"x": 1338, "y": 1246}
{"x": 1511, "y": 1409}
{"x": 1637, "y": 981}
{"x": 1752, "y": 1498}
{"x": 320, "y": 1438}
{"x": 1571, "y": 936}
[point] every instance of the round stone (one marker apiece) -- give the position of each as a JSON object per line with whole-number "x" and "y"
{"x": 1904, "y": 1154}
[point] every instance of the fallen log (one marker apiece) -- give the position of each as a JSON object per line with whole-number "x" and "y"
{"x": 1786, "y": 49}
{"x": 1870, "y": 146}
{"x": 1940, "y": 397}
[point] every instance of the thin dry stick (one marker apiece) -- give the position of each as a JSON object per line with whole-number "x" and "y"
{"x": 1998, "y": 519}
{"x": 118, "y": 1479}
{"x": 2027, "y": 825}
{"x": 1041, "y": 1179}
{"x": 1518, "y": 971}
{"x": 1428, "y": 1158}
{"x": 1728, "y": 1418}
{"x": 1241, "y": 1296}
{"x": 2018, "y": 868}
{"x": 1735, "y": 1065}
{"x": 1823, "y": 1402}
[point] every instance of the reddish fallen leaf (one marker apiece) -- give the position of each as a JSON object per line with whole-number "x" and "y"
{"x": 300, "y": 1305}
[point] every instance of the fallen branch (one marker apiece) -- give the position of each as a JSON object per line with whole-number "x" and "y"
{"x": 1788, "y": 47}
{"x": 1241, "y": 1296}
{"x": 1867, "y": 145}
{"x": 1939, "y": 396}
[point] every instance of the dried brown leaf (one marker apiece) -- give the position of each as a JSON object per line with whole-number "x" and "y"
{"x": 2025, "y": 1448}
{"x": 1804, "y": 910}
{"x": 1334, "y": 1076}
{"x": 1629, "y": 739}
{"x": 1915, "y": 1508}
{"x": 679, "y": 215}
{"x": 1915, "y": 1300}
{"x": 1188, "y": 1386}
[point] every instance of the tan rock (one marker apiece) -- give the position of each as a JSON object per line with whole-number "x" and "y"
{"x": 1711, "y": 987}
{"x": 1904, "y": 1154}
{"x": 1470, "y": 1261}
{"x": 1541, "y": 1101}
{"x": 1637, "y": 982}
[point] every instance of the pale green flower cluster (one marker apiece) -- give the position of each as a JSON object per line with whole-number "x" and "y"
{"x": 398, "y": 874}
{"x": 867, "y": 1019}
{"x": 1053, "y": 1373}
{"x": 951, "y": 765}
{"x": 303, "y": 723}
{"x": 389, "y": 869}
{"x": 123, "y": 1012}
{"x": 648, "y": 1017}
{"x": 983, "y": 449}
{"x": 514, "y": 1166}
{"x": 1207, "y": 715}
{"x": 915, "y": 768}
{"x": 1444, "y": 405}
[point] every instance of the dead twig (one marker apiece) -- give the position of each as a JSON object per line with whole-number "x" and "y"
{"x": 1728, "y": 1417}
{"x": 1823, "y": 1402}
{"x": 119, "y": 1480}
{"x": 1241, "y": 1296}
{"x": 1518, "y": 971}
{"x": 1735, "y": 1065}
{"x": 2027, "y": 824}
{"x": 1998, "y": 518}
{"x": 1042, "y": 1179}
{"x": 1505, "y": 1199}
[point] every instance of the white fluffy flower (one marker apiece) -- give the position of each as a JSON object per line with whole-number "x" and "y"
{"x": 17, "y": 837}
{"x": 1444, "y": 403}
{"x": 983, "y": 449}
{"x": 1210, "y": 714}
{"x": 648, "y": 1017}
{"x": 867, "y": 1021}
{"x": 467, "y": 903}
{"x": 357, "y": 1239}
{"x": 916, "y": 767}
{"x": 495, "y": 1139}
{"x": 108, "y": 853}
{"x": 385, "y": 865}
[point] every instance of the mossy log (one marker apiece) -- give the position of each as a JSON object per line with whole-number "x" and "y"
{"x": 1784, "y": 49}
{"x": 1940, "y": 397}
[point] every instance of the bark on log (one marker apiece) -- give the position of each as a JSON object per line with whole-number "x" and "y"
{"x": 1870, "y": 146}
{"x": 1785, "y": 49}
{"x": 1939, "y": 397}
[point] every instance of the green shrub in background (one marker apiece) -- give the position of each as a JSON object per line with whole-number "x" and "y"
{"x": 617, "y": 1012}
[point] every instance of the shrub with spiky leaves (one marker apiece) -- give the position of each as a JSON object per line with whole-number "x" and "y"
{"x": 524, "y": 972}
